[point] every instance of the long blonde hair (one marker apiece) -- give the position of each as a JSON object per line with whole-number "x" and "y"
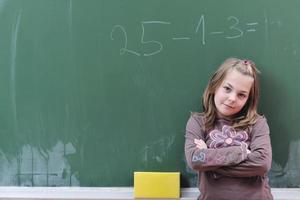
{"x": 248, "y": 115}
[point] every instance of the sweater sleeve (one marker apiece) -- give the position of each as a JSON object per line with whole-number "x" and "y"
{"x": 258, "y": 162}
{"x": 208, "y": 159}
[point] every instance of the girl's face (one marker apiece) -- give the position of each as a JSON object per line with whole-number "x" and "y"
{"x": 232, "y": 94}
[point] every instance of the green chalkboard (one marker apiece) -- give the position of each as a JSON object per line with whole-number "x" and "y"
{"x": 93, "y": 90}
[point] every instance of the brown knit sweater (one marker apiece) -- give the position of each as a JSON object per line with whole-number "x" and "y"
{"x": 225, "y": 169}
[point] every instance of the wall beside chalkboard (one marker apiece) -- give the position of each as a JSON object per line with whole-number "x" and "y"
{"x": 91, "y": 91}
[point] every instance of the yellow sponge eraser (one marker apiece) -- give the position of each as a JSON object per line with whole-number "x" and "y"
{"x": 156, "y": 184}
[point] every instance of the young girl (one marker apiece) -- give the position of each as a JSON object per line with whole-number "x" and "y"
{"x": 228, "y": 144}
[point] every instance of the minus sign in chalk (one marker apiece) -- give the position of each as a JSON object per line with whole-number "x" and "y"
{"x": 156, "y": 184}
{"x": 216, "y": 32}
{"x": 181, "y": 38}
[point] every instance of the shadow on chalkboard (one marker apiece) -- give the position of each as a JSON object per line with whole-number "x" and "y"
{"x": 284, "y": 171}
{"x": 273, "y": 100}
{"x": 184, "y": 182}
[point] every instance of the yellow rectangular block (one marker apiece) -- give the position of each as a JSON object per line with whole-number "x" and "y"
{"x": 156, "y": 184}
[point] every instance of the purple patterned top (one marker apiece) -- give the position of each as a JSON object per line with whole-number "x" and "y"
{"x": 226, "y": 137}
{"x": 226, "y": 170}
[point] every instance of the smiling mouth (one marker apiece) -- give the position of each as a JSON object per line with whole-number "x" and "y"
{"x": 228, "y": 106}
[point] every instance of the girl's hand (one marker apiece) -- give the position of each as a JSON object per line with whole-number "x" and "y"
{"x": 200, "y": 144}
{"x": 246, "y": 145}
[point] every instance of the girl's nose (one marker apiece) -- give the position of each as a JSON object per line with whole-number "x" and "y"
{"x": 232, "y": 97}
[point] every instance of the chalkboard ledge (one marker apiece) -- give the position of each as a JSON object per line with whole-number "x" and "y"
{"x": 110, "y": 193}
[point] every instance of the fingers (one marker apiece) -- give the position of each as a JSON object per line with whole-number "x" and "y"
{"x": 200, "y": 144}
{"x": 246, "y": 146}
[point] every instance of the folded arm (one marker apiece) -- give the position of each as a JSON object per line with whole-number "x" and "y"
{"x": 203, "y": 159}
{"x": 258, "y": 162}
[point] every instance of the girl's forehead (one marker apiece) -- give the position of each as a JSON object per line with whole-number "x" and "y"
{"x": 238, "y": 80}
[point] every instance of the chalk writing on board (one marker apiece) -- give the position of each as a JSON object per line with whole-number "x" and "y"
{"x": 158, "y": 150}
{"x": 201, "y": 24}
{"x": 124, "y": 47}
{"x": 159, "y": 44}
{"x": 235, "y": 30}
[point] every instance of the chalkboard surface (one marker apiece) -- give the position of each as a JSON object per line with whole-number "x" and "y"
{"x": 91, "y": 91}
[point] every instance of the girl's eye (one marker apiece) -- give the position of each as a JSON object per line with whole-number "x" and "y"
{"x": 242, "y": 96}
{"x": 227, "y": 89}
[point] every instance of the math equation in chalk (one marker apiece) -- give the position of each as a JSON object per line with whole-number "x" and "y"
{"x": 235, "y": 29}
